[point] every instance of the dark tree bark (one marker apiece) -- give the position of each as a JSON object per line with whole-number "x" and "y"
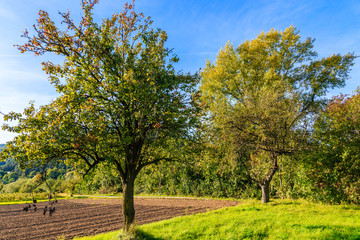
{"x": 265, "y": 183}
{"x": 265, "y": 190}
{"x": 128, "y": 203}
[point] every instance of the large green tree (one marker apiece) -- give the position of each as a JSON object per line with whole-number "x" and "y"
{"x": 263, "y": 93}
{"x": 120, "y": 99}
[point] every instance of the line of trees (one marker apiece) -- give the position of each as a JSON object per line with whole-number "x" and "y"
{"x": 261, "y": 109}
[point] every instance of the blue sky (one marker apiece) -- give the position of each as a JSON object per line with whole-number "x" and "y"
{"x": 197, "y": 29}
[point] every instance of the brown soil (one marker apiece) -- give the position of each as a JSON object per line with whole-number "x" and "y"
{"x": 83, "y": 217}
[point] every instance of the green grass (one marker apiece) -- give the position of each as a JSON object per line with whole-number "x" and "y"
{"x": 20, "y": 198}
{"x": 19, "y": 202}
{"x": 102, "y": 236}
{"x": 280, "y": 219}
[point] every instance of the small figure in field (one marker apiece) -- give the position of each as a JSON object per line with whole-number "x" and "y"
{"x": 35, "y": 208}
{"x": 26, "y": 208}
{"x": 51, "y": 211}
{"x": 34, "y": 201}
{"x": 45, "y": 210}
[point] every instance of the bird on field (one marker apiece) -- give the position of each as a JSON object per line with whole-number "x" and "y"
{"x": 51, "y": 210}
{"x": 34, "y": 201}
{"x": 45, "y": 210}
{"x": 26, "y": 208}
{"x": 35, "y": 208}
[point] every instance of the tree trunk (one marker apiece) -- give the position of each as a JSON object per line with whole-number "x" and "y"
{"x": 265, "y": 190}
{"x": 281, "y": 186}
{"x": 128, "y": 204}
{"x": 265, "y": 183}
{"x": 159, "y": 181}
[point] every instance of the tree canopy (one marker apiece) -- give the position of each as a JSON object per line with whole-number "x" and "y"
{"x": 120, "y": 99}
{"x": 262, "y": 93}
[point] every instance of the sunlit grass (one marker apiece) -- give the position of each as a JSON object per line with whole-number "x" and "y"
{"x": 102, "y": 236}
{"x": 20, "y": 198}
{"x": 280, "y": 219}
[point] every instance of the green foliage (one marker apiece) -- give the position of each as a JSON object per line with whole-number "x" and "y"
{"x": 24, "y": 185}
{"x": 291, "y": 180}
{"x": 335, "y": 161}
{"x": 207, "y": 178}
{"x": 17, "y": 181}
{"x": 218, "y": 176}
{"x": 21, "y": 185}
{"x": 120, "y": 96}
{"x": 104, "y": 179}
{"x": 120, "y": 100}
{"x": 261, "y": 96}
{"x": 9, "y": 165}
{"x": 9, "y": 171}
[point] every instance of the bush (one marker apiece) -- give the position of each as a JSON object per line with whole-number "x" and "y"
{"x": 21, "y": 185}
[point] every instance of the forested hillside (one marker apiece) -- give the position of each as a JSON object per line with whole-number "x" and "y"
{"x": 13, "y": 177}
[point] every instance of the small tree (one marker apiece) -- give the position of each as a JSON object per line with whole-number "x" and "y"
{"x": 263, "y": 94}
{"x": 120, "y": 101}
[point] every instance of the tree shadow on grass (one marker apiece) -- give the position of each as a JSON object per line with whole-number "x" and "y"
{"x": 141, "y": 235}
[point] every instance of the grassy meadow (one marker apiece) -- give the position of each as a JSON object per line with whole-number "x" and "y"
{"x": 279, "y": 219}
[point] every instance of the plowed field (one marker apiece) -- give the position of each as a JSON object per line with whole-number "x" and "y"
{"x": 82, "y": 217}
